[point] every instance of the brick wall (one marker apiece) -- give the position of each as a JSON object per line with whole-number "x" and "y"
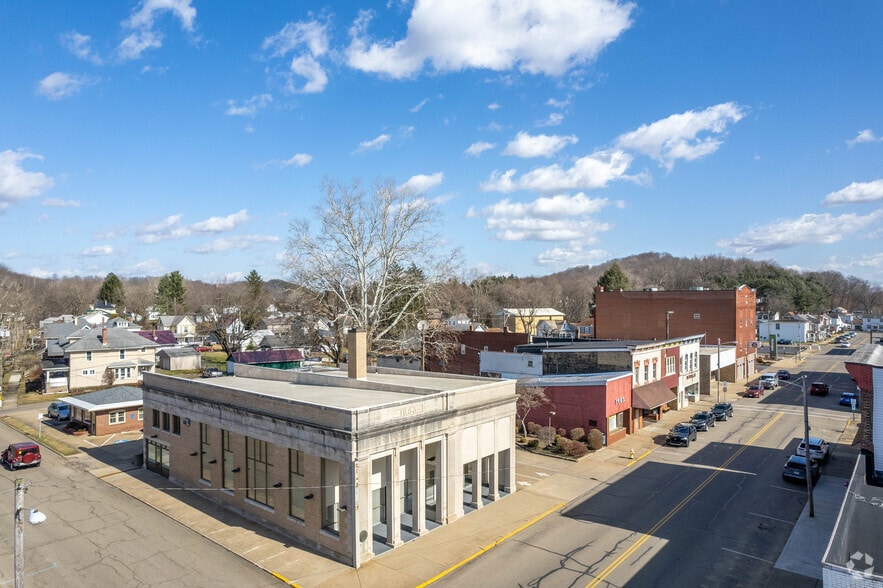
{"x": 464, "y": 358}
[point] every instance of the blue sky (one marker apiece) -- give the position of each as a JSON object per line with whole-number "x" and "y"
{"x": 145, "y": 137}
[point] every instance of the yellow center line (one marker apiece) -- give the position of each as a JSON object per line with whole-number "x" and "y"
{"x": 645, "y": 536}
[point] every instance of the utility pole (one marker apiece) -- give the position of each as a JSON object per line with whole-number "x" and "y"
{"x": 806, "y": 452}
{"x": 19, "y": 533}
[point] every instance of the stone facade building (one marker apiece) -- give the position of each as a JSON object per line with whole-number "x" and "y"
{"x": 349, "y": 463}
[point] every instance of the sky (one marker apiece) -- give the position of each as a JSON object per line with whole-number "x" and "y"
{"x": 142, "y": 138}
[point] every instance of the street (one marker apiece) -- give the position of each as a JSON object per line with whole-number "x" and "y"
{"x": 95, "y": 535}
{"x": 715, "y": 513}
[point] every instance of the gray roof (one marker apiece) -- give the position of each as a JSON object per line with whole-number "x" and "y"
{"x": 178, "y": 352}
{"x": 116, "y": 339}
{"x": 116, "y": 397}
{"x": 59, "y": 331}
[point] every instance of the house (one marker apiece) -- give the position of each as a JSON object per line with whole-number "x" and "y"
{"x": 182, "y": 326}
{"x": 280, "y": 359}
{"x": 789, "y": 328}
{"x": 98, "y": 357}
{"x": 179, "y": 358}
{"x": 527, "y": 320}
{"x": 724, "y": 316}
{"x": 163, "y": 339}
{"x": 112, "y": 410}
{"x": 348, "y": 462}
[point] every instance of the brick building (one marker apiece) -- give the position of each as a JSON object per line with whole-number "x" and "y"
{"x": 727, "y": 317}
{"x": 465, "y": 358}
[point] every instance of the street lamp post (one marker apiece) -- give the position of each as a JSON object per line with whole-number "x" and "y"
{"x": 806, "y": 448}
{"x": 18, "y": 546}
{"x": 551, "y": 414}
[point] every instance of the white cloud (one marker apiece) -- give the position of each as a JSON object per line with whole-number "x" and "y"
{"x": 308, "y": 40}
{"x": 57, "y": 202}
{"x": 493, "y": 106}
{"x": 137, "y": 43}
{"x": 865, "y": 136}
{"x": 525, "y": 145}
{"x": 571, "y": 255}
{"x": 143, "y": 17}
{"x": 376, "y": 143}
{"x": 806, "y": 229}
{"x": 587, "y": 173}
{"x": 553, "y": 120}
{"x": 422, "y": 183}
{"x": 558, "y": 103}
{"x": 846, "y": 266}
{"x": 60, "y": 85}
{"x": 166, "y": 229}
{"x": 237, "y": 242}
{"x": 856, "y": 192}
{"x": 678, "y": 136}
{"x": 97, "y": 251}
{"x": 15, "y": 182}
{"x": 298, "y": 160}
{"x": 80, "y": 46}
{"x": 533, "y": 36}
{"x": 478, "y": 148}
{"x": 217, "y": 224}
{"x": 248, "y": 107}
{"x": 553, "y": 218}
{"x": 419, "y": 106}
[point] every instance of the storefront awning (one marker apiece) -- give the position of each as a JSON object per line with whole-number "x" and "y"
{"x": 652, "y": 395}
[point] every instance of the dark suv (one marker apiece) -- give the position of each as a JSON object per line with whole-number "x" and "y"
{"x": 819, "y": 389}
{"x": 703, "y": 420}
{"x": 722, "y": 411}
{"x": 681, "y": 434}
{"x": 26, "y": 453}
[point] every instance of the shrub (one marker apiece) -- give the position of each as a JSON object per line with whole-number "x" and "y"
{"x": 596, "y": 439}
{"x": 577, "y": 433}
{"x": 578, "y": 449}
{"x": 533, "y": 428}
{"x": 533, "y": 443}
{"x": 562, "y": 432}
{"x": 564, "y": 445}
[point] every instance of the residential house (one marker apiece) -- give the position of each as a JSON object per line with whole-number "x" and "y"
{"x": 789, "y": 328}
{"x": 872, "y": 323}
{"x": 724, "y": 316}
{"x": 349, "y": 463}
{"x": 182, "y": 326}
{"x": 179, "y": 358}
{"x": 113, "y": 410}
{"x": 99, "y": 357}
{"x": 527, "y": 320}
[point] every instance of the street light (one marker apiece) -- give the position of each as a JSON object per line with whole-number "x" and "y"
{"x": 806, "y": 450}
{"x": 35, "y": 517}
{"x": 551, "y": 414}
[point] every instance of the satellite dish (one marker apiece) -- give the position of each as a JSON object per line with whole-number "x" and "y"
{"x": 422, "y": 326}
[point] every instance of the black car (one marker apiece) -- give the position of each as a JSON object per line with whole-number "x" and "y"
{"x": 703, "y": 420}
{"x": 785, "y": 341}
{"x": 681, "y": 434}
{"x": 722, "y": 411}
{"x": 795, "y": 469}
{"x": 783, "y": 375}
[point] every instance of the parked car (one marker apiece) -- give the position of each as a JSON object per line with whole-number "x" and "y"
{"x": 818, "y": 389}
{"x": 769, "y": 381}
{"x": 818, "y": 449}
{"x": 60, "y": 411}
{"x": 681, "y": 434}
{"x": 703, "y": 420}
{"x": 795, "y": 469}
{"x": 722, "y": 411}
{"x": 844, "y": 344}
{"x": 17, "y": 455}
{"x": 846, "y": 399}
{"x": 783, "y": 375}
{"x": 785, "y": 341}
{"x": 212, "y": 373}
{"x": 754, "y": 391}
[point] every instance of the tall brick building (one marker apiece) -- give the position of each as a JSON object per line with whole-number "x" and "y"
{"x": 725, "y": 316}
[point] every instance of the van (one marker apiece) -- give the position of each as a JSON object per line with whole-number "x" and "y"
{"x": 769, "y": 381}
{"x": 17, "y": 455}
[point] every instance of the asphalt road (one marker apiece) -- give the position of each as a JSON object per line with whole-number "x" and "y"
{"x": 95, "y": 535}
{"x": 714, "y": 514}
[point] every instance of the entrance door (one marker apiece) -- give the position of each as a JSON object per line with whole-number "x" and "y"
{"x": 158, "y": 458}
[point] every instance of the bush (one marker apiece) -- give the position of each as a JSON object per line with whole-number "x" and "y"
{"x": 533, "y": 428}
{"x": 596, "y": 439}
{"x": 564, "y": 445}
{"x": 533, "y": 443}
{"x": 562, "y": 432}
{"x": 577, "y": 449}
{"x": 577, "y": 433}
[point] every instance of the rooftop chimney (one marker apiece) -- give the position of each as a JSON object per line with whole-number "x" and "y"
{"x": 357, "y": 363}
{"x": 104, "y": 336}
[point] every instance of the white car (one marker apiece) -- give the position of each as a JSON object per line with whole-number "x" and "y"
{"x": 769, "y": 381}
{"x": 818, "y": 449}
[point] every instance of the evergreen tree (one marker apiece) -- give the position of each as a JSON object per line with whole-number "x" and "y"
{"x": 111, "y": 291}
{"x": 255, "y": 302}
{"x": 170, "y": 293}
{"x": 612, "y": 279}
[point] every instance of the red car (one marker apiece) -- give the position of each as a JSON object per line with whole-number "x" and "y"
{"x": 26, "y": 453}
{"x": 754, "y": 391}
{"x": 818, "y": 389}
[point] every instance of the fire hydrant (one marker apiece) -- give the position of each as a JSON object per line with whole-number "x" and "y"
{"x": 631, "y": 454}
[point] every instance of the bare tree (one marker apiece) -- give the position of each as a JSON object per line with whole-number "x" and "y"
{"x": 357, "y": 254}
{"x": 529, "y": 398}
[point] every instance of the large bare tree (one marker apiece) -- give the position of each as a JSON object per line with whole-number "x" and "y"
{"x": 376, "y": 253}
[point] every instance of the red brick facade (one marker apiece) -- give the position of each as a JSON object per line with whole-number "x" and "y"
{"x": 465, "y": 360}
{"x": 589, "y": 407}
{"x": 101, "y": 424}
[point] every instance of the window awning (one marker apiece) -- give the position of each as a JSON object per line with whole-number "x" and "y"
{"x": 652, "y": 395}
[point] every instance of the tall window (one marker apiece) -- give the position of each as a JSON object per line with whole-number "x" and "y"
{"x": 330, "y": 495}
{"x": 258, "y": 471}
{"x": 176, "y": 424}
{"x": 88, "y": 356}
{"x": 296, "y": 483}
{"x": 122, "y": 354}
{"x": 205, "y": 453}
{"x": 155, "y": 419}
{"x": 670, "y": 365}
{"x": 646, "y": 372}
{"x": 227, "y": 457}
{"x": 166, "y": 419}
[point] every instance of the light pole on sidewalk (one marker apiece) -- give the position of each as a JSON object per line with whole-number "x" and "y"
{"x": 806, "y": 452}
